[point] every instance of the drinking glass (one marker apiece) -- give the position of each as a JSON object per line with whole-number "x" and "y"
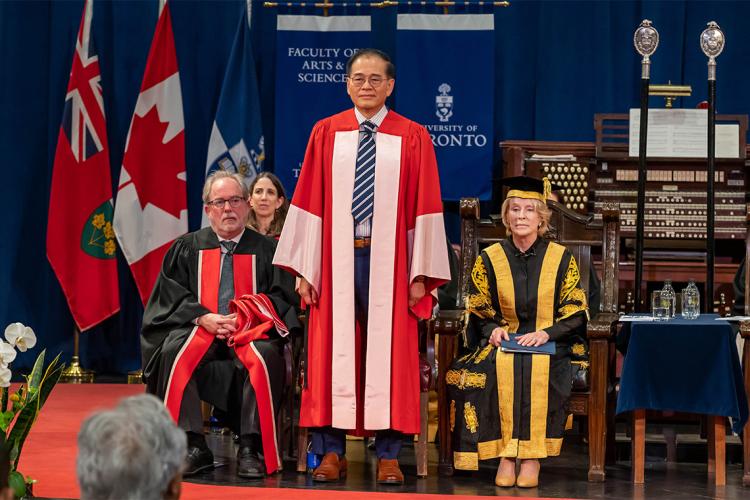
{"x": 659, "y": 306}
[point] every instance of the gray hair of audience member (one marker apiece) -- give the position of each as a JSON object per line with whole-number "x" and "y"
{"x": 224, "y": 174}
{"x": 134, "y": 451}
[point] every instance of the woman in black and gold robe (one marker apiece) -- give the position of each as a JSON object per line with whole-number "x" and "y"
{"x": 512, "y": 405}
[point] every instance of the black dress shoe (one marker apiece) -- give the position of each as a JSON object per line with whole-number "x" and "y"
{"x": 198, "y": 459}
{"x": 249, "y": 464}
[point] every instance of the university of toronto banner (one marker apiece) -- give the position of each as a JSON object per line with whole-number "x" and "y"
{"x": 311, "y": 55}
{"x": 445, "y": 77}
{"x": 151, "y": 205}
{"x": 236, "y": 142}
{"x": 80, "y": 240}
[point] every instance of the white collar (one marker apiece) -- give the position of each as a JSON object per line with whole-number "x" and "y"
{"x": 236, "y": 239}
{"x": 377, "y": 119}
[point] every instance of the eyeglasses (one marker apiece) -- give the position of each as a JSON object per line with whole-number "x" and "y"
{"x": 218, "y": 203}
{"x": 359, "y": 80}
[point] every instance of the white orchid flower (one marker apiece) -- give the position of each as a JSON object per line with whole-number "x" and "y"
{"x": 7, "y": 353}
{"x": 13, "y": 331}
{"x": 20, "y": 336}
{"x": 5, "y": 375}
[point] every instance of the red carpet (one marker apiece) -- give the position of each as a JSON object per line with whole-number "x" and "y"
{"x": 195, "y": 491}
{"x": 49, "y": 455}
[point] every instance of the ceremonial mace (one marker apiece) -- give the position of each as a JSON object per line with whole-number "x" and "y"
{"x": 712, "y": 43}
{"x": 645, "y": 39}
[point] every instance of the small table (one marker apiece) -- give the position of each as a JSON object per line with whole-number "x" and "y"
{"x": 688, "y": 366}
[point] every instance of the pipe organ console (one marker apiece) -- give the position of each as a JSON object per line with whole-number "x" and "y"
{"x": 675, "y": 187}
{"x": 591, "y": 174}
{"x": 675, "y": 199}
{"x": 571, "y": 176}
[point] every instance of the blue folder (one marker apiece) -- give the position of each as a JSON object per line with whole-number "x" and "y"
{"x": 512, "y": 345}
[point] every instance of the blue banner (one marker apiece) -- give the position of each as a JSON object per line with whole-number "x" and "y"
{"x": 445, "y": 76}
{"x": 311, "y": 55}
{"x": 236, "y": 142}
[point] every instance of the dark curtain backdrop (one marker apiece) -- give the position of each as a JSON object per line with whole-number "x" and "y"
{"x": 557, "y": 63}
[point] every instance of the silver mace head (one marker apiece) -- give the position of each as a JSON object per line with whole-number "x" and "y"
{"x": 712, "y": 43}
{"x": 645, "y": 40}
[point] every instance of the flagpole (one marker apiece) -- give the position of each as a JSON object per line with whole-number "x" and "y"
{"x": 75, "y": 373}
{"x": 135, "y": 377}
{"x": 645, "y": 39}
{"x": 712, "y": 43}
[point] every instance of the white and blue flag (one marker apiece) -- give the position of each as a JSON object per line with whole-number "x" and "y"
{"x": 236, "y": 142}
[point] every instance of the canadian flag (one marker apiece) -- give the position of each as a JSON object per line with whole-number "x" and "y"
{"x": 151, "y": 206}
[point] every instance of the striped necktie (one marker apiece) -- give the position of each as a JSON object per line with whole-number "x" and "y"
{"x": 364, "y": 176}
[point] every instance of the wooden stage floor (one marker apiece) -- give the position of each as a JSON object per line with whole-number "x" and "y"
{"x": 49, "y": 457}
{"x": 561, "y": 477}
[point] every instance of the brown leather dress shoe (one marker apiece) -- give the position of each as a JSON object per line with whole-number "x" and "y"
{"x": 389, "y": 471}
{"x": 331, "y": 469}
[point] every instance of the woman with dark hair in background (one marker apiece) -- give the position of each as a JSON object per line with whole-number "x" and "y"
{"x": 268, "y": 205}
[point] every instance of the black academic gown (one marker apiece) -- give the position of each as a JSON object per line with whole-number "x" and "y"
{"x": 513, "y": 405}
{"x": 168, "y": 321}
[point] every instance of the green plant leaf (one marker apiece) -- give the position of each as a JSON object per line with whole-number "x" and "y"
{"x": 13, "y": 454}
{"x": 6, "y": 418}
{"x": 51, "y": 377}
{"x": 48, "y": 378}
{"x": 19, "y": 438}
{"x": 17, "y": 484}
{"x": 35, "y": 377}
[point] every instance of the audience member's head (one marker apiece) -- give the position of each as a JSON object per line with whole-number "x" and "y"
{"x": 268, "y": 204}
{"x": 225, "y": 197}
{"x": 134, "y": 451}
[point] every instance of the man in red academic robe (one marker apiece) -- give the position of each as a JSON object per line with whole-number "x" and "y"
{"x": 365, "y": 235}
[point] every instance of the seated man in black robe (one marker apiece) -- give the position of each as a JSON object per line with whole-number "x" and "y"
{"x": 214, "y": 330}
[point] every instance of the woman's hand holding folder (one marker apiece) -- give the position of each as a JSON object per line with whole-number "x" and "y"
{"x": 498, "y": 335}
{"x": 533, "y": 339}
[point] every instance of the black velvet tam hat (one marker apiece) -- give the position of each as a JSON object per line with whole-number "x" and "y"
{"x": 528, "y": 187}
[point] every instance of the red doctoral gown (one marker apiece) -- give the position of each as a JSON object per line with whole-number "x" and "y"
{"x": 408, "y": 240}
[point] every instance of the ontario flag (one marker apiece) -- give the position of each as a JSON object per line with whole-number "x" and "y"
{"x": 151, "y": 208}
{"x": 80, "y": 240}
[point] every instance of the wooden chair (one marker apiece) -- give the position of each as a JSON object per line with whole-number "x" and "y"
{"x": 745, "y": 332}
{"x": 578, "y": 233}
{"x": 285, "y": 423}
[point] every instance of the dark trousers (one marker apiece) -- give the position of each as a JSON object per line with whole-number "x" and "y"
{"x": 222, "y": 380}
{"x": 329, "y": 439}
